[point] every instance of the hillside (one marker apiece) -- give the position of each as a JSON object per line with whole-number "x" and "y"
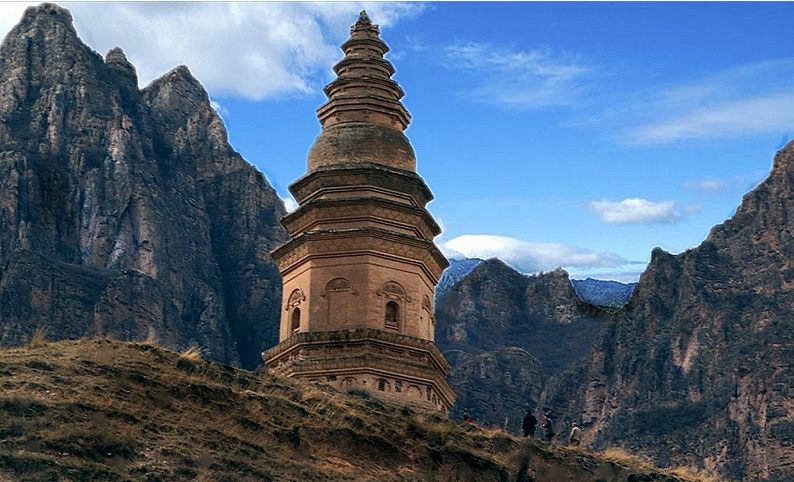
{"x": 125, "y": 212}
{"x": 697, "y": 368}
{"x": 100, "y": 410}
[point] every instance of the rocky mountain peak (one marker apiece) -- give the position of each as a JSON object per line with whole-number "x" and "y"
{"x": 495, "y": 320}
{"x": 125, "y": 212}
{"x": 117, "y": 60}
{"x": 178, "y": 92}
{"x": 46, "y": 17}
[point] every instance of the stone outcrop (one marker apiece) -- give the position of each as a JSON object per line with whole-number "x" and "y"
{"x": 698, "y": 368}
{"x": 506, "y": 333}
{"x": 125, "y": 212}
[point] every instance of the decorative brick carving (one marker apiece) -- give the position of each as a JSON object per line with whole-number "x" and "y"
{"x": 295, "y": 298}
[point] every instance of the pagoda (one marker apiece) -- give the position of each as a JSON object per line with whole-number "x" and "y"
{"x": 361, "y": 267}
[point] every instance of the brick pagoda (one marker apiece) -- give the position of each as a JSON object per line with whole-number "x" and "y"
{"x": 361, "y": 266}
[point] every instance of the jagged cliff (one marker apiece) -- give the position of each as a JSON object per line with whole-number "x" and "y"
{"x": 698, "y": 368}
{"x": 506, "y": 333}
{"x": 125, "y": 212}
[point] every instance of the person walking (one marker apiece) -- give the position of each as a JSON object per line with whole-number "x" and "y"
{"x": 548, "y": 428}
{"x": 576, "y": 435}
{"x": 528, "y": 425}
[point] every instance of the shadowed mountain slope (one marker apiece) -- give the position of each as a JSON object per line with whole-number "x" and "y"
{"x": 495, "y": 309}
{"x": 125, "y": 212}
{"x": 697, "y": 368}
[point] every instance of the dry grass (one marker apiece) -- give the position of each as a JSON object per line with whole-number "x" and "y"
{"x": 193, "y": 354}
{"x": 621, "y": 456}
{"x": 104, "y": 410}
{"x": 692, "y": 474}
{"x": 39, "y": 338}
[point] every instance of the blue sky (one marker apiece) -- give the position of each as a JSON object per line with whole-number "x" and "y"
{"x": 571, "y": 134}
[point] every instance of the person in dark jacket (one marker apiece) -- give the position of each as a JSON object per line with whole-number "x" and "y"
{"x": 548, "y": 428}
{"x": 528, "y": 425}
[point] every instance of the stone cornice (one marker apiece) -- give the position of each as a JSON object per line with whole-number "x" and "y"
{"x": 362, "y": 209}
{"x": 360, "y": 335}
{"x": 351, "y": 176}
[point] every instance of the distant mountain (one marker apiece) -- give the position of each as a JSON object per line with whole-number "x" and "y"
{"x": 125, "y": 212}
{"x": 607, "y": 294}
{"x": 698, "y": 368}
{"x": 458, "y": 268}
{"x": 505, "y": 333}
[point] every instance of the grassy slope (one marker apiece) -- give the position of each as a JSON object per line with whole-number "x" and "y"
{"x": 111, "y": 411}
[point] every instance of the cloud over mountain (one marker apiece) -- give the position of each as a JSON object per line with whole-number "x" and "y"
{"x": 251, "y": 50}
{"x": 526, "y": 256}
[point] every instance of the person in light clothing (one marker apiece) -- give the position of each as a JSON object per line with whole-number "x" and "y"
{"x": 576, "y": 435}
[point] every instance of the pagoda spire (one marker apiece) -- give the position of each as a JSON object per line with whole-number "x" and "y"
{"x": 363, "y": 120}
{"x": 360, "y": 266}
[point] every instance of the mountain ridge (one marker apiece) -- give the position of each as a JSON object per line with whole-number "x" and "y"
{"x": 125, "y": 211}
{"x": 706, "y": 340}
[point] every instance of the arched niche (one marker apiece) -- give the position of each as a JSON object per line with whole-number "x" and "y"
{"x": 293, "y": 311}
{"x": 338, "y": 292}
{"x": 394, "y": 300}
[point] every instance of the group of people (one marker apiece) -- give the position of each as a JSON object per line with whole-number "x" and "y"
{"x": 547, "y": 428}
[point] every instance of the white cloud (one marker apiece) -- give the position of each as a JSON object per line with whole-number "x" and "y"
{"x": 750, "y": 99}
{"x": 531, "y": 78}
{"x": 11, "y": 14}
{"x": 713, "y": 185}
{"x": 528, "y": 257}
{"x": 289, "y": 203}
{"x": 636, "y": 211}
{"x": 773, "y": 113}
{"x": 707, "y": 185}
{"x": 219, "y": 108}
{"x": 254, "y": 50}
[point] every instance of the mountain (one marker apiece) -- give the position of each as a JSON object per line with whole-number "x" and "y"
{"x": 604, "y": 293}
{"x": 505, "y": 333}
{"x": 458, "y": 268}
{"x": 100, "y": 410}
{"x": 125, "y": 212}
{"x": 698, "y": 369}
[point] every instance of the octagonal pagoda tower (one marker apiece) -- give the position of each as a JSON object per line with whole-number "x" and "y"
{"x": 361, "y": 267}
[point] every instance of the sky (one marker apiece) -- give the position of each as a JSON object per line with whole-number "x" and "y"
{"x": 580, "y": 135}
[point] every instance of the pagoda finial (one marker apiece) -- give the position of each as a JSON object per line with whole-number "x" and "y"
{"x": 364, "y": 26}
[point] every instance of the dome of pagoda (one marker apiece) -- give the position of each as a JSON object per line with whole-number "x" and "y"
{"x": 363, "y": 120}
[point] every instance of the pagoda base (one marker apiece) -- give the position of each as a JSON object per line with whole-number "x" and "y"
{"x": 396, "y": 368}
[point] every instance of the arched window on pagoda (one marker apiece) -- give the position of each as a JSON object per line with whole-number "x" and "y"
{"x": 295, "y": 299}
{"x": 392, "y": 315}
{"x": 295, "y": 323}
{"x": 395, "y": 299}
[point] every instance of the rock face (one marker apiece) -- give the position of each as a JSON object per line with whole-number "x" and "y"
{"x": 125, "y": 212}
{"x": 698, "y": 368}
{"x": 506, "y": 333}
{"x": 458, "y": 268}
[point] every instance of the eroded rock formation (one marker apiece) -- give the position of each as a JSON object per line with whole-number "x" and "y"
{"x": 125, "y": 212}
{"x": 506, "y": 333}
{"x": 698, "y": 368}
